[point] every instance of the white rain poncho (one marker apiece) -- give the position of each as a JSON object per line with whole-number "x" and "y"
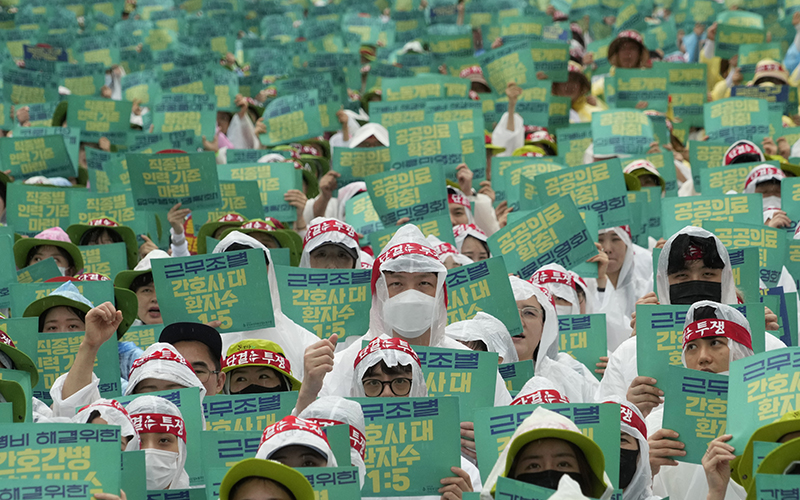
{"x": 324, "y": 231}
{"x": 393, "y": 352}
{"x": 762, "y": 173}
{"x": 333, "y": 410}
{"x": 488, "y": 329}
{"x": 632, "y": 423}
{"x": 592, "y": 304}
{"x": 294, "y": 431}
{"x": 369, "y": 130}
{"x": 115, "y": 414}
{"x": 461, "y": 231}
{"x": 569, "y": 376}
{"x": 621, "y": 369}
{"x": 688, "y": 481}
{"x": 511, "y": 140}
{"x": 541, "y": 418}
{"x": 559, "y": 283}
{"x": 162, "y": 361}
{"x": 286, "y": 333}
{"x": 444, "y": 250}
{"x": 155, "y": 414}
{"x": 635, "y": 280}
{"x": 537, "y": 391}
{"x": 408, "y": 251}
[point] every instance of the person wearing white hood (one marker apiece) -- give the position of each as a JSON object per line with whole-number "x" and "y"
{"x": 110, "y": 412}
{"x": 561, "y": 286}
{"x": 765, "y": 180}
{"x": 330, "y": 244}
{"x": 296, "y": 442}
{"x": 694, "y": 265}
{"x": 447, "y": 253}
{"x": 628, "y": 277}
{"x": 286, "y": 333}
{"x": 539, "y": 342}
{"x": 714, "y": 336}
{"x": 162, "y": 433}
{"x": 635, "y": 477}
{"x": 548, "y": 450}
{"x": 471, "y": 241}
{"x": 485, "y": 333}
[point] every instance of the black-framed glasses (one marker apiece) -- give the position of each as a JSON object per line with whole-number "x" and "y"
{"x": 204, "y": 375}
{"x": 399, "y": 386}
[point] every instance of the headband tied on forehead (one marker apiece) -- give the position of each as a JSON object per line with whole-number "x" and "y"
{"x": 544, "y": 396}
{"x": 357, "y": 439}
{"x": 328, "y": 226}
{"x": 459, "y": 199}
{"x": 545, "y": 276}
{"x": 630, "y": 417}
{"x": 249, "y": 357}
{"x": 717, "y": 328}
{"x": 693, "y": 252}
{"x": 291, "y": 423}
{"x": 378, "y": 344}
{"x": 158, "y": 422}
{"x": 395, "y": 252}
{"x": 164, "y": 355}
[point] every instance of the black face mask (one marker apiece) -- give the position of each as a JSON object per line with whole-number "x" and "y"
{"x": 628, "y": 461}
{"x": 258, "y": 389}
{"x": 793, "y": 469}
{"x": 548, "y": 478}
{"x": 689, "y": 292}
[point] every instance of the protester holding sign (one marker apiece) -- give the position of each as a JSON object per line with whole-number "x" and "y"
{"x": 330, "y": 244}
{"x": 140, "y": 282}
{"x": 296, "y": 442}
{"x": 256, "y": 366}
{"x": 110, "y": 412}
{"x": 53, "y": 242}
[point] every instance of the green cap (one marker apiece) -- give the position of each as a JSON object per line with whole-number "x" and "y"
{"x": 288, "y": 477}
{"x": 76, "y": 232}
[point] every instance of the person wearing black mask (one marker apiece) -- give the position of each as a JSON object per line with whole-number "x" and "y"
{"x": 255, "y": 366}
{"x": 635, "y": 478}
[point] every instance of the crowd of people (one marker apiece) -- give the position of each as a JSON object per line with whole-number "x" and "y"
{"x": 365, "y": 46}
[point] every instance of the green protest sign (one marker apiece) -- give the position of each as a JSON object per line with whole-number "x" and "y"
{"x": 242, "y": 197}
{"x": 599, "y": 187}
{"x": 523, "y": 28}
{"x": 632, "y": 87}
{"x": 39, "y": 272}
{"x": 429, "y": 432}
{"x": 194, "y": 79}
{"x": 695, "y": 403}
{"x": 751, "y": 54}
{"x": 32, "y": 209}
{"x": 41, "y": 114}
{"x": 160, "y": 181}
{"x": 86, "y": 206}
{"x": 22, "y": 86}
{"x": 325, "y": 301}
{"x": 390, "y": 114}
{"x": 28, "y": 157}
{"x": 142, "y": 86}
{"x": 451, "y": 45}
{"x": 722, "y": 179}
{"x": 687, "y": 90}
{"x": 333, "y": 482}
{"x": 704, "y": 155}
{"x": 677, "y": 213}
{"x": 583, "y": 336}
{"x": 790, "y": 201}
{"x": 771, "y": 244}
{"x": 222, "y": 450}
{"x": 176, "y": 112}
{"x": 775, "y": 486}
{"x": 659, "y": 333}
{"x": 361, "y": 214}
{"x": 99, "y": 48}
{"x": 96, "y": 116}
{"x": 617, "y": 131}
{"x": 599, "y": 422}
{"x": 274, "y": 180}
{"x": 143, "y": 336}
{"x": 728, "y": 119}
{"x": 105, "y": 259}
{"x": 81, "y": 79}
{"x": 293, "y": 117}
{"x": 762, "y": 389}
{"x": 520, "y": 189}
{"x": 509, "y": 63}
{"x": 553, "y": 233}
{"x": 88, "y": 455}
{"x": 730, "y": 38}
{"x": 8, "y": 272}
{"x": 417, "y": 193}
{"x": 441, "y": 227}
{"x": 559, "y": 112}
{"x": 423, "y": 87}
{"x": 482, "y": 286}
{"x": 71, "y": 136}
{"x": 246, "y": 412}
{"x": 188, "y": 401}
{"x": 551, "y": 59}
{"x": 533, "y": 104}
{"x": 573, "y": 141}
{"x": 777, "y": 97}
{"x": 212, "y": 287}
{"x": 515, "y": 375}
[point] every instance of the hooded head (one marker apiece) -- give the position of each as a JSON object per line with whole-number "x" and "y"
{"x": 162, "y": 433}
{"x": 694, "y": 265}
{"x": 743, "y": 152}
{"x": 334, "y": 410}
{"x": 561, "y": 286}
{"x": 766, "y": 180}
{"x": 347, "y": 192}
{"x": 537, "y": 391}
{"x": 714, "y": 336}
{"x": 536, "y": 442}
{"x": 370, "y": 135}
{"x": 460, "y": 207}
{"x": 162, "y": 367}
{"x": 472, "y": 242}
{"x": 409, "y": 298}
{"x": 256, "y": 366}
{"x": 485, "y": 333}
{"x": 394, "y": 356}
{"x": 448, "y": 254}
{"x": 585, "y": 298}
{"x": 634, "y": 466}
{"x": 237, "y": 241}
{"x": 110, "y": 412}
{"x": 296, "y": 442}
{"x": 620, "y": 259}
{"x": 539, "y": 338}
{"x": 330, "y": 244}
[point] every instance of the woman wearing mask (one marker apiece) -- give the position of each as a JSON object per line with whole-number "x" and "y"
{"x": 162, "y": 433}
{"x": 539, "y": 342}
{"x": 255, "y": 366}
{"x": 53, "y": 242}
{"x": 635, "y": 478}
{"x": 546, "y": 450}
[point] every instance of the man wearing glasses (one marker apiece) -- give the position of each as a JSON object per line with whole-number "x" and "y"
{"x": 201, "y": 345}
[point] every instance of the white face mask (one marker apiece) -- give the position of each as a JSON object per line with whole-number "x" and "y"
{"x": 161, "y": 468}
{"x": 62, "y": 270}
{"x": 771, "y": 202}
{"x": 563, "y": 310}
{"x": 409, "y": 313}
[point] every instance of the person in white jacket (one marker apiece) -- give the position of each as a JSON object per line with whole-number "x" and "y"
{"x": 539, "y": 342}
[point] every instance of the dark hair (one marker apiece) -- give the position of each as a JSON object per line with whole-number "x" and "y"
{"x": 705, "y": 312}
{"x": 91, "y": 236}
{"x": 61, "y": 251}
{"x": 141, "y": 280}
{"x": 681, "y": 243}
{"x": 382, "y": 367}
{"x": 239, "y": 484}
{"x": 80, "y": 314}
{"x": 476, "y": 345}
{"x": 3, "y": 191}
{"x": 770, "y": 182}
{"x": 586, "y": 472}
{"x": 95, "y": 414}
{"x": 238, "y": 246}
